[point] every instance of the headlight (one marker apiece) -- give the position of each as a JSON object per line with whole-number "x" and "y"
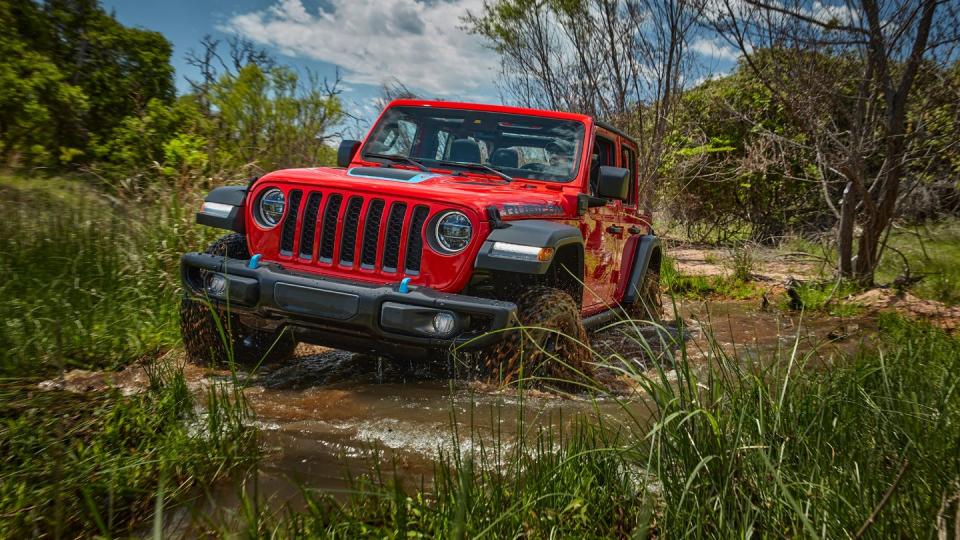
{"x": 453, "y": 232}
{"x": 270, "y": 209}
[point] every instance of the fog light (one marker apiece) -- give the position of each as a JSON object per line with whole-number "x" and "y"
{"x": 444, "y": 323}
{"x": 217, "y": 285}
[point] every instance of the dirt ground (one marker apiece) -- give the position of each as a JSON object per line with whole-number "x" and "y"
{"x": 774, "y": 269}
{"x": 769, "y": 265}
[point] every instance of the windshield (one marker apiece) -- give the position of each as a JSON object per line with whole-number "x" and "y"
{"x": 519, "y": 146}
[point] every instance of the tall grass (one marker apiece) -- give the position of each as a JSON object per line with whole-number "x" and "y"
{"x": 867, "y": 444}
{"x": 86, "y": 281}
{"x": 91, "y": 282}
{"x": 732, "y": 286}
{"x": 83, "y": 464}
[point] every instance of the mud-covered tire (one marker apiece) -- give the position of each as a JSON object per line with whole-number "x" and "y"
{"x": 213, "y": 336}
{"x": 649, "y": 304}
{"x": 549, "y": 347}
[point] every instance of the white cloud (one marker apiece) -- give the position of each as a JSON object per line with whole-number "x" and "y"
{"x": 714, "y": 49}
{"x": 418, "y": 42}
{"x": 834, "y": 12}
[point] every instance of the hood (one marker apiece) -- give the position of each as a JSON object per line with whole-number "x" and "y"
{"x": 520, "y": 199}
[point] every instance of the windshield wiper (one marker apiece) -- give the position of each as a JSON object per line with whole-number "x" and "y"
{"x": 397, "y": 158}
{"x": 477, "y": 166}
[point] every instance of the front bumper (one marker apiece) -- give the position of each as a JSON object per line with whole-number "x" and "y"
{"x": 345, "y": 314}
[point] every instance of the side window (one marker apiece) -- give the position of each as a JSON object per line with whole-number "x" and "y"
{"x": 629, "y": 161}
{"x": 604, "y": 154}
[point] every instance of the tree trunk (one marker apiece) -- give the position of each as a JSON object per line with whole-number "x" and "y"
{"x": 848, "y": 212}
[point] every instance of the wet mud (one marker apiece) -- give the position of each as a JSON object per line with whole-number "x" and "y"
{"x": 324, "y": 413}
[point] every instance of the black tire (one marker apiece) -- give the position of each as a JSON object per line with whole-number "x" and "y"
{"x": 209, "y": 343}
{"x": 649, "y": 304}
{"x": 550, "y": 347}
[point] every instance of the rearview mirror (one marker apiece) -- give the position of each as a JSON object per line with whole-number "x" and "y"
{"x": 613, "y": 183}
{"x": 345, "y": 153}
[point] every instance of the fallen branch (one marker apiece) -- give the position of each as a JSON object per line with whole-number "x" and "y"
{"x": 883, "y": 502}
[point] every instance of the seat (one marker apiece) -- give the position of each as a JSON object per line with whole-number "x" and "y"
{"x": 505, "y": 157}
{"x": 465, "y": 151}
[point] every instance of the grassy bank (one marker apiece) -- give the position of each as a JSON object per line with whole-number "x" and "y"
{"x": 868, "y": 444}
{"x": 87, "y": 281}
{"x": 80, "y": 464}
{"x": 932, "y": 252}
{"x": 90, "y": 282}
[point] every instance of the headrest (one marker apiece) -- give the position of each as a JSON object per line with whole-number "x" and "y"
{"x": 506, "y": 157}
{"x": 465, "y": 151}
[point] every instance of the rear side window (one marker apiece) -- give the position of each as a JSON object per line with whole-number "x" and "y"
{"x": 629, "y": 162}
{"x": 604, "y": 155}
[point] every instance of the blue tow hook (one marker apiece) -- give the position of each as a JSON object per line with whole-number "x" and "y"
{"x": 404, "y": 287}
{"x": 254, "y": 261}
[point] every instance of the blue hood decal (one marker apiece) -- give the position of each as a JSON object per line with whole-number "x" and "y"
{"x": 395, "y": 175}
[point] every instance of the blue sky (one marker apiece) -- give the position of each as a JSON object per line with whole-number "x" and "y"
{"x": 418, "y": 42}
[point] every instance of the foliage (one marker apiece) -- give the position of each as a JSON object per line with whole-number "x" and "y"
{"x": 36, "y": 98}
{"x": 87, "y": 464}
{"x": 694, "y": 286}
{"x": 778, "y": 450}
{"x": 85, "y": 281}
{"x": 78, "y": 90}
{"x": 737, "y": 162}
{"x": 826, "y": 297}
{"x": 71, "y": 74}
{"x": 272, "y": 119}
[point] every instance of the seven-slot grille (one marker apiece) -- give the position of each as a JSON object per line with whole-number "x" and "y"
{"x": 353, "y": 230}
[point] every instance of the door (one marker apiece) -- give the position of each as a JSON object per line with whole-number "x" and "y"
{"x": 634, "y": 222}
{"x": 603, "y": 234}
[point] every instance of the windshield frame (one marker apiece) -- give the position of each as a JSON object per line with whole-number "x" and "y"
{"x": 581, "y": 129}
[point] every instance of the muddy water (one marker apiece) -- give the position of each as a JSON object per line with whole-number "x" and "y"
{"x": 325, "y": 412}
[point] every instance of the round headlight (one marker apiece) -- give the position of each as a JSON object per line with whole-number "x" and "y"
{"x": 453, "y": 232}
{"x": 270, "y": 209}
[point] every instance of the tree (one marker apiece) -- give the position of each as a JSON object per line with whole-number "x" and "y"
{"x": 736, "y": 164}
{"x": 854, "y": 110}
{"x": 273, "y": 119}
{"x": 623, "y": 60}
{"x": 70, "y": 75}
{"x": 36, "y": 98}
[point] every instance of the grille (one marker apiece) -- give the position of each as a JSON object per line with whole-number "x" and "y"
{"x": 343, "y": 230}
{"x": 348, "y": 242}
{"x": 391, "y": 249}
{"x": 371, "y": 233}
{"x": 309, "y": 230}
{"x": 329, "y": 233}
{"x": 290, "y": 223}
{"x": 415, "y": 239}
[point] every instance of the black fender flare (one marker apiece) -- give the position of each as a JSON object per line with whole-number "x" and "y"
{"x": 226, "y": 212}
{"x": 532, "y": 233}
{"x": 647, "y": 247}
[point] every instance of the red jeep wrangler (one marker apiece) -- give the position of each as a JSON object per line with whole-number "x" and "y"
{"x": 449, "y": 223}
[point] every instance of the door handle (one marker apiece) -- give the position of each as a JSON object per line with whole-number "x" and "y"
{"x": 614, "y": 229}
{"x": 635, "y": 230}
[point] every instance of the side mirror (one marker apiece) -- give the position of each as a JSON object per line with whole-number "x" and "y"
{"x": 345, "y": 153}
{"x": 613, "y": 183}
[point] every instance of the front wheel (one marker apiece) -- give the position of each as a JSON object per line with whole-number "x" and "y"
{"x": 215, "y": 336}
{"x": 549, "y": 346}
